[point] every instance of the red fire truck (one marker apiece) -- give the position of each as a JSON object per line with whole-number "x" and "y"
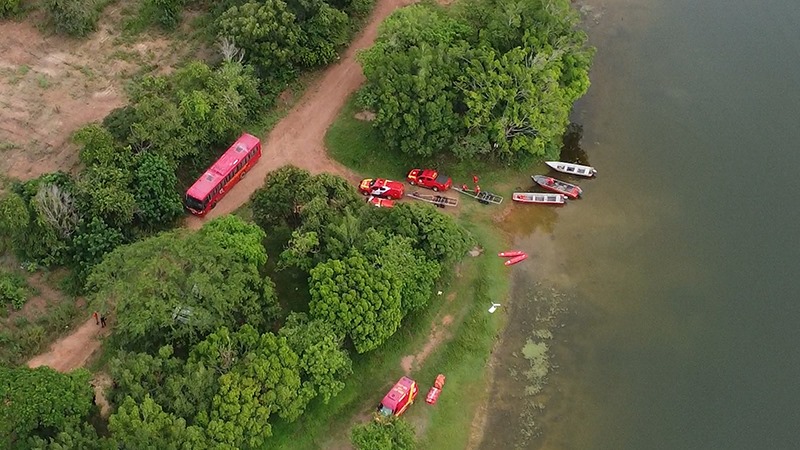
{"x": 399, "y": 398}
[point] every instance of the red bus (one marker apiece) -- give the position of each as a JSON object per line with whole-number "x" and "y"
{"x": 223, "y": 175}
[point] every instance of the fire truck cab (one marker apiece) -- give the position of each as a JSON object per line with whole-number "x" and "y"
{"x": 399, "y": 398}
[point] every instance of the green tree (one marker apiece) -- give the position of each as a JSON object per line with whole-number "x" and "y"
{"x": 83, "y": 437}
{"x": 91, "y": 242}
{"x": 411, "y": 71}
{"x": 323, "y": 32}
{"x": 41, "y": 402}
{"x": 269, "y": 35}
{"x": 194, "y": 109}
{"x": 13, "y": 290}
{"x": 51, "y": 218}
{"x": 98, "y": 147}
{"x": 277, "y": 202}
{"x": 9, "y": 7}
{"x": 394, "y": 433}
{"x": 14, "y": 219}
{"x": 146, "y": 425}
{"x": 177, "y": 287}
{"x": 418, "y": 272}
{"x": 167, "y": 13}
{"x": 357, "y": 299}
{"x": 154, "y": 189}
{"x": 323, "y": 361}
{"x": 435, "y": 234}
{"x": 487, "y": 77}
{"x": 104, "y": 192}
{"x": 260, "y": 375}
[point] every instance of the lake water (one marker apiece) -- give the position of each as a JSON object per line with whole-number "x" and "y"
{"x": 681, "y": 261}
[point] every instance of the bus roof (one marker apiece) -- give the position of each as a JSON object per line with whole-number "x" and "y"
{"x": 398, "y": 392}
{"x": 209, "y": 180}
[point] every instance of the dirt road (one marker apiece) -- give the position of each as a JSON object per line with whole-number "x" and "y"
{"x": 72, "y": 352}
{"x": 299, "y": 138}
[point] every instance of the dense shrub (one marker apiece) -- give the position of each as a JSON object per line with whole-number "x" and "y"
{"x": 13, "y": 290}
{"x": 73, "y": 17}
{"x": 8, "y": 7}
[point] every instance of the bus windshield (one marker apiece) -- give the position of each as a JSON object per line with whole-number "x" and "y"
{"x": 194, "y": 203}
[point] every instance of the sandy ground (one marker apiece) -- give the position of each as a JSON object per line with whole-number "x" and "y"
{"x": 51, "y": 85}
{"x": 71, "y": 352}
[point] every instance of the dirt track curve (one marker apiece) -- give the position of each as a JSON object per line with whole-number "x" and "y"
{"x": 298, "y": 139}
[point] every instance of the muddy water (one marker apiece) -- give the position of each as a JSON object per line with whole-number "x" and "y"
{"x": 680, "y": 264}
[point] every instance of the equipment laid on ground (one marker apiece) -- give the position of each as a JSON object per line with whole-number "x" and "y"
{"x": 439, "y": 200}
{"x": 481, "y": 196}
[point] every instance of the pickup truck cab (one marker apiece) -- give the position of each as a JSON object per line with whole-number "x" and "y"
{"x": 429, "y": 178}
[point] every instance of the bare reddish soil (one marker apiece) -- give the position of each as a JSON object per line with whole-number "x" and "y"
{"x": 51, "y": 85}
{"x": 72, "y": 351}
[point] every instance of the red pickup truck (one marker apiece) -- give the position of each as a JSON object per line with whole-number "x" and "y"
{"x": 429, "y": 178}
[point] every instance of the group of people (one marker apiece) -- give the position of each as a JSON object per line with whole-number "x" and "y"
{"x": 100, "y": 319}
{"x": 477, "y": 188}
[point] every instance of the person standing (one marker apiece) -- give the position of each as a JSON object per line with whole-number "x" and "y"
{"x": 475, "y": 179}
{"x": 96, "y": 317}
{"x": 102, "y": 321}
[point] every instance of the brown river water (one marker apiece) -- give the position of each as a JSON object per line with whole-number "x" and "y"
{"x": 671, "y": 289}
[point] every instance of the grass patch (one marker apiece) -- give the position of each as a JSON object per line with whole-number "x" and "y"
{"x": 357, "y": 144}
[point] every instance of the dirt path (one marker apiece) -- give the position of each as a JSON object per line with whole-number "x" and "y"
{"x": 299, "y": 138}
{"x": 71, "y": 352}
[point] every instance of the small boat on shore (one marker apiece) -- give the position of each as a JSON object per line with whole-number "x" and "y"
{"x": 536, "y": 197}
{"x": 510, "y": 253}
{"x": 572, "y": 168}
{"x": 561, "y": 187}
{"x": 516, "y": 259}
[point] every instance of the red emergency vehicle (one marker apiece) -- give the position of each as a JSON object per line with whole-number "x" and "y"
{"x": 429, "y": 178}
{"x": 399, "y": 398}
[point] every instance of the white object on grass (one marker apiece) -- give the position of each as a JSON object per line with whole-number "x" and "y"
{"x": 494, "y": 308}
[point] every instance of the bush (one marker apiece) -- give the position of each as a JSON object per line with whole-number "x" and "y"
{"x": 8, "y": 7}
{"x": 167, "y": 13}
{"x": 73, "y": 17}
{"x": 13, "y": 290}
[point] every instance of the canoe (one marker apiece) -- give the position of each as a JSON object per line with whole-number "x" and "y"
{"x": 516, "y": 259}
{"x": 536, "y": 197}
{"x": 561, "y": 187}
{"x": 510, "y": 253}
{"x": 572, "y": 168}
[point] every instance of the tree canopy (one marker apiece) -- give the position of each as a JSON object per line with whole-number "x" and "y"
{"x": 357, "y": 299}
{"x": 41, "y": 402}
{"x": 487, "y": 77}
{"x": 177, "y": 287}
{"x": 393, "y": 433}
